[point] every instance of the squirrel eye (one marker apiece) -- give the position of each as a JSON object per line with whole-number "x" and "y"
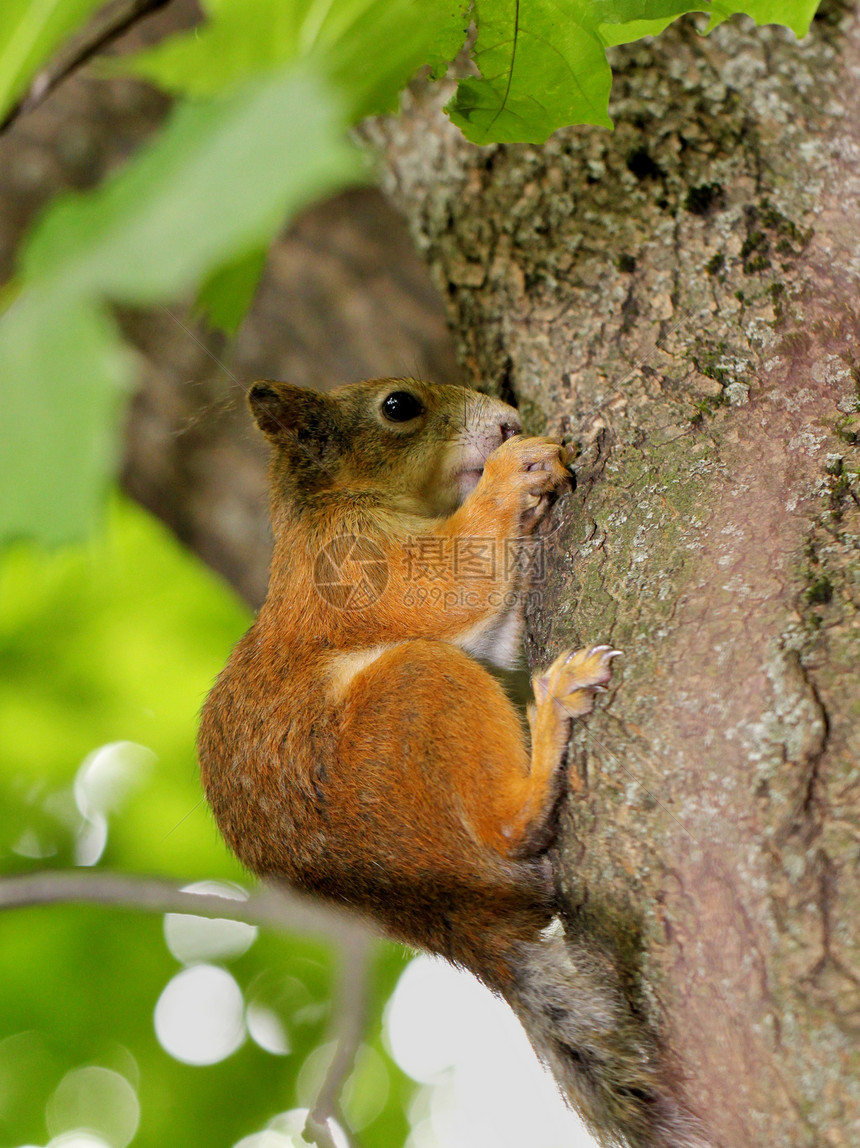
{"x": 401, "y": 406}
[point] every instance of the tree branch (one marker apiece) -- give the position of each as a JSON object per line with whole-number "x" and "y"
{"x": 103, "y": 30}
{"x": 350, "y": 1014}
{"x": 272, "y": 907}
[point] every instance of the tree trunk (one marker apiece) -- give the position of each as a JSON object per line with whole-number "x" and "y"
{"x": 680, "y": 298}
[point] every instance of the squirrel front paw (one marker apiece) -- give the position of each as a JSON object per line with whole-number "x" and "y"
{"x": 528, "y": 471}
{"x": 574, "y": 678}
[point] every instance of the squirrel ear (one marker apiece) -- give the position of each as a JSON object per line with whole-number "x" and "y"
{"x": 282, "y": 410}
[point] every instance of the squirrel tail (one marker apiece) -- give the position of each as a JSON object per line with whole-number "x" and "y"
{"x": 605, "y": 1059}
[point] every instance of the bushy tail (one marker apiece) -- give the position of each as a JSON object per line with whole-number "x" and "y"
{"x": 606, "y": 1061}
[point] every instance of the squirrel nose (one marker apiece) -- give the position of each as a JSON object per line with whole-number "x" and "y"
{"x": 509, "y": 430}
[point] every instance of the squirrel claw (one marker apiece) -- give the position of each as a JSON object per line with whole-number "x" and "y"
{"x": 531, "y": 470}
{"x": 606, "y": 650}
{"x": 575, "y": 677}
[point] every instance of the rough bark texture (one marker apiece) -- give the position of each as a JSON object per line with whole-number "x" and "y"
{"x": 680, "y": 297}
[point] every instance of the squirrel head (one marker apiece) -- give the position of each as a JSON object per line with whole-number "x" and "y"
{"x": 407, "y": 445}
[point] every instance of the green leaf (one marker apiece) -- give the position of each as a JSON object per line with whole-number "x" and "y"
{"x": 540, "y": 70}
{"x": 413, "y": 32}
{"x": 613, "y": 34}
{"x": 543, "y": 65}
{"x": 29, "y": 31}
{"x": 342, "y": 38}
{"x": 64, "y": 372}
{"x": 449, "y": 37}
{"x": 238, "y": 41}
{"x": 225, "y": 297}
{"x": 795, "y": 14}
{"x": 217, "y": 182}
{"x": 543, "y": 62}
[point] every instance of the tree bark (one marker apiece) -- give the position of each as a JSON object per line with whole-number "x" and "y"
{"x": 680, "y": 298}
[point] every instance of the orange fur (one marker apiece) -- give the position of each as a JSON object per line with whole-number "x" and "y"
{"x": 361, "y": 753}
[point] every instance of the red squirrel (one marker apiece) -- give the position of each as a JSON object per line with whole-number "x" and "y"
{"x": 354, "y": 746}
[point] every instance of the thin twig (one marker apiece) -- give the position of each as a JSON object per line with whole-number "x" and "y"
{"x": 271, "y": 907}
{"x": 349, "y": 1023}
{"x": 102, "y": 31}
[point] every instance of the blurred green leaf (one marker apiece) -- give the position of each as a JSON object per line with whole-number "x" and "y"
{"x": 218, "y": 181}
{"x": 225, "y": 297}
{"x": 341, "y": 38}
{"x": 30, "y": 30}
{"x": 64, "y": 372}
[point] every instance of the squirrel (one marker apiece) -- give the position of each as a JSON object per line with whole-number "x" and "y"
{"x": 354, "y": 747}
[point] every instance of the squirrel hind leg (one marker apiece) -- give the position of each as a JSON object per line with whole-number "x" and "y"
{"x": 564, "y": 691}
